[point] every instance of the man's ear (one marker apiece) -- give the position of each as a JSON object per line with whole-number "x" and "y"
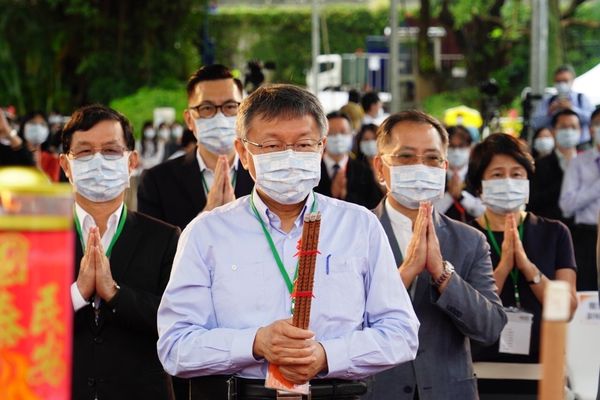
{"x": 189, "y": 120}
{"x": 243, "y": 153}
{"x": 378, "y": 167}
{"x": 134, "y": 160}
{"x": 64, "y": 164}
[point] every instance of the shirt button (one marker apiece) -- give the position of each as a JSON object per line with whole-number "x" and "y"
{"x": 408, "y": 389}
{"x": 234, "y": 267}
{"x": 98, "y": 340}
{"x": 91, "y": 381}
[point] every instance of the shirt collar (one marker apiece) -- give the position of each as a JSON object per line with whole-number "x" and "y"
{"x": 330, "y": 162}
{"x": 396, "y": 216}
{"x": 271, "y": 218}
{"x": 86, "y": 221}
{"x": 203, "y": 166}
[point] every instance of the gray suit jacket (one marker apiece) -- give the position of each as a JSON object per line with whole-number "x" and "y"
{"x": 469, "y": 308}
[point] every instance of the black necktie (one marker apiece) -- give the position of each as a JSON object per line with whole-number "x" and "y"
{"x": 336, "y": 168}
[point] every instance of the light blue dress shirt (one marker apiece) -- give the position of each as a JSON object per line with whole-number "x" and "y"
{"x": 225, "y": 284}
{"x": 580, "y": 192}
{"x": 584, "y": 109}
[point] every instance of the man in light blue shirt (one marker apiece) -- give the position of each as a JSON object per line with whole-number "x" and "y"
{"x": 226, "y": 309}
{"x": 564, "y": 99}
{"x": 580, "y": 198}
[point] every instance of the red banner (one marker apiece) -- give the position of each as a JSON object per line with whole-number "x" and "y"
{"x": 36, "y": 271}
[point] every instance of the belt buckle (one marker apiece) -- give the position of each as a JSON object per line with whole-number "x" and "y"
{"x": 283, "y": 395}
{"x": 232, "y": 388}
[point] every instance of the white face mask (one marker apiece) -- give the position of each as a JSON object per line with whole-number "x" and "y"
{"x": 287, "y": 176}
{"x": 36, "y": 134}
{"x": 177, "y": 132}
{"x": 98, "y": 179}
{"x": 568, "y": 137}
{"x": 458, "y": 157}
{"x": 164, "y": 134}
{"x": 369, "y": 148}
{"x": 543, "y": 145}
{"x": 339, "y": 144}
{"x": 412, "y": 184}
{"x": 504, "y": 196}
{"x": 563, "y": 88}
{"x": 149, "y": 133}
{"x": 217, "y": 134}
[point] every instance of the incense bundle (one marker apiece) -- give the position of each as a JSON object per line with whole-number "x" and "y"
{"x": 301, "y": 298}
{"x": 303, "y": 287}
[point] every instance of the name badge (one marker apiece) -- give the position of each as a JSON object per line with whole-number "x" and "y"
{"x": 516, "y": 335}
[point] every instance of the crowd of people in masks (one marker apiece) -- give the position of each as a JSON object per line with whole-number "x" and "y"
{"x": 433, "y": 243}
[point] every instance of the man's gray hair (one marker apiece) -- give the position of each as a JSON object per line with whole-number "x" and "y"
{"x": 279, "y": 101}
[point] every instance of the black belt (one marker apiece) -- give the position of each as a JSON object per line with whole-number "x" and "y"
{"x": 233, "y": 388}
{"x": 587, "y": 227}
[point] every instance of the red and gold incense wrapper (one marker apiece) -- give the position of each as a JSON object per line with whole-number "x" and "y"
{"x": 36, "y": 271}
{"x": 302, "y": 295}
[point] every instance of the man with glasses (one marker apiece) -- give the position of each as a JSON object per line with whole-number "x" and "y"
{"x": 226, "y": 311}
{"x": 343, "y": 176}
{"x": 444, "y": 264}
{"x": 178, "y": 190}
{"x": 123, "y": 263}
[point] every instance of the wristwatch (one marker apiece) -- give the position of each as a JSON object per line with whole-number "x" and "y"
{"x": 536, "y": 279}
{"x": 448, "y": 270}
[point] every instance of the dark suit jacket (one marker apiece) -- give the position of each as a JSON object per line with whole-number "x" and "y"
{"x": 117, "y": 358}
{"x": 545, "y": 189}
{"x": 362, "y": 188}
{"x": 173, "y": 191}
{"x": 469, "y": 308}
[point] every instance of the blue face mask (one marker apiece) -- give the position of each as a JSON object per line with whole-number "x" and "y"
{"x": 217, "y": 134}
{"x": 340, "y": 143}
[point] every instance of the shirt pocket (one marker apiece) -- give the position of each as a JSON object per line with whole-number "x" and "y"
{"x": 340, "y": 290}
{"x": 238, "y": 292}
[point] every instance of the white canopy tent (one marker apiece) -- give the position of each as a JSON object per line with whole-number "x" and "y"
{"x": 589, "y": 84}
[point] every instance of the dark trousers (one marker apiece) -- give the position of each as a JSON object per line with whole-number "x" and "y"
{"x": 584, "y": 243}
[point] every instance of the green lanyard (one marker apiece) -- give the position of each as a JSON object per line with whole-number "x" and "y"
{"x": 514, "y": 274}
{"x": 115, "y": 237}
{"x": 205, "y": 185}
{"x": 288, "y": 281}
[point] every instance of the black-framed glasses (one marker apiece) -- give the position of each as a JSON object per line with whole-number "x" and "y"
{"x": 108, "y": 153}
{"x": 431, "y": 160}
{"x": 273, "y": 145}
{"x": 209, "y": 110}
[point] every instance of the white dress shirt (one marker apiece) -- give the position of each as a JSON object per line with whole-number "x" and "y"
{"x": 225, "y": 284}
{"x": 87, "y": 222}
{"x": 401, "y": 225}
{"x": 209, "y": 174}
{"x": 580, "y": 191}
{"x": 330, "y": 162}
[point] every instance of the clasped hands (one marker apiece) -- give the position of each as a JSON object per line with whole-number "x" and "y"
{"x": 221, "y": 191}
{"x": 298, "y": 356}
{"x": 513, "y": 253}
{"x": 94, "y": 272}
{"x": 423, "y": 251}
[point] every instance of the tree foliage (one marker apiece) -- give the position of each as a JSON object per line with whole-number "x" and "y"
{"x": 57, "y": 54}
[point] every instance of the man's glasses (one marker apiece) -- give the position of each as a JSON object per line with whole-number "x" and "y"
{"x": 108, "y": 153}
{"x": 272, "y": 146}
{"x": 209, "y": 110}
{"x": 431, "y": 160}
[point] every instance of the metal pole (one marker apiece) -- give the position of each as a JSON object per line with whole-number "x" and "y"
{"x": 393, "y": 60}
{"x": 316, "y": 46}
{"x": 539, "y": 50}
